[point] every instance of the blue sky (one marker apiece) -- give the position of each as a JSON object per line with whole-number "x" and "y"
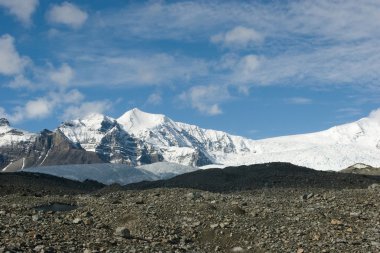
{"x": 252, "y": 68}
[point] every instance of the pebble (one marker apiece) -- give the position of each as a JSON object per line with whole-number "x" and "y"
{"x": 237, "y": 249}
{"x": 335, "y": 222}
{"x": 123, "y": 232}
{"x": 77, "y": 220}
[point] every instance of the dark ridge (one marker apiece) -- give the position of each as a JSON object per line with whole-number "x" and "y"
{"x": 270, "y": 175}
{"x": 42, "y": 184}
{"x": 4, "y": 122}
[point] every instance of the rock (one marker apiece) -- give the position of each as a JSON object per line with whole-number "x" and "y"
{"x": 305, "y": 197}
{"x": 123, "y": 232}
{"x": 237, "y": 249}
{"x": 213, "y": 226}
{"x": 39, "y": 248}
{"x": 355, "y": 214}
{"x": 193, "y": 195}
{"x": 86, "y": 214}
{"x": 37, "y": 237}
{"x": 36, "y": 217}
{"x": 300, "y": 250}
{"x": 140, "y": 202}
{"x": 77, "y": 220}
{"x": 335, "y": 222}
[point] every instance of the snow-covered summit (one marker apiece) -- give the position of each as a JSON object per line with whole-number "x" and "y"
{"x": 12, "y": 136}
{"x": 88, "y": 131}
{"x": 167, "y": 140}
{"x": 138, "y": 138}
{"x": 136, "y": 121}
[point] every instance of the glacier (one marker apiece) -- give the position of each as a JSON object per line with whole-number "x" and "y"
{"x": 114, "y": 173}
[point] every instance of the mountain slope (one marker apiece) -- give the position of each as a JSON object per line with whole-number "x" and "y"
{"x": 138, "y": 138}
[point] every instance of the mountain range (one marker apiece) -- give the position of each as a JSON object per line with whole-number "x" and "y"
{"x": 138, "y": 138}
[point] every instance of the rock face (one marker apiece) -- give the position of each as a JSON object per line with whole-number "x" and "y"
{"x": 46, "y": 148}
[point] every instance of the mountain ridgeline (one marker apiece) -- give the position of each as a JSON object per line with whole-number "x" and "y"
{"x": 138, "y": 138}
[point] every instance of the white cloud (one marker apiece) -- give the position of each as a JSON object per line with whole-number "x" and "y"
{"x": 73, "y": 97}
{"x": 299, "y": 101}
{"x": 206, "y": 99}
{"x": 324, "y": 42}
{"x": 244, "y": 70}
{"x": 39, "y": 108}
{"x": 20, "y": 81}
{"x": 43, "y": 107}
{"x": 63, "y": 75}
{"x": 238, "y": 37}
{"x": 137, "y": 70}
{"x": 21, "y": 9}
{"x": 11, "y": 63}
{"x": 154, "y": 99}
{"x": 86, "y": 108}
{"x": 67, "y": 14}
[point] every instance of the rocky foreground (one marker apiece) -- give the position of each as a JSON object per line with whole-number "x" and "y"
{"x": 274, "y": 207}
{"x": 184, "y": 220}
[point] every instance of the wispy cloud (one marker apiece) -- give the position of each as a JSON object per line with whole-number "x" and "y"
{"x": 206, "y": 99}
{"x": 348, "y": 112}
{"x": 136, "y": 70}
{"x": 63, "y": 75}
{"x": 238, "y": 37}
{"x": 154, "y": 99}
{"x": 324, "y": 42}
{"x": 21, "y": 9}
{"x": 86, "y": 108}
{"x": 11, "y": 63}
{"x": 299, "y": 101}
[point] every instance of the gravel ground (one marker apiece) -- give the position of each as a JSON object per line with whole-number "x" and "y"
{"x": 186, "y": 220}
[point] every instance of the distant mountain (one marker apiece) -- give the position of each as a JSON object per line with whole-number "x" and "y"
{"x": 362, "y": 169}
{"x": 138, "y": 138}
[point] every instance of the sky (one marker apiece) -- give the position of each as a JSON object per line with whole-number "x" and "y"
{"x": 253, "y": 68}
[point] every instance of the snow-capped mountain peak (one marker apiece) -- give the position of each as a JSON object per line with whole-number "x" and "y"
{"x": 135, "y": 121}
{"x": 88, "y": 131}
{"x": 11, "y": 136}
{"x": 139, "y": 138}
